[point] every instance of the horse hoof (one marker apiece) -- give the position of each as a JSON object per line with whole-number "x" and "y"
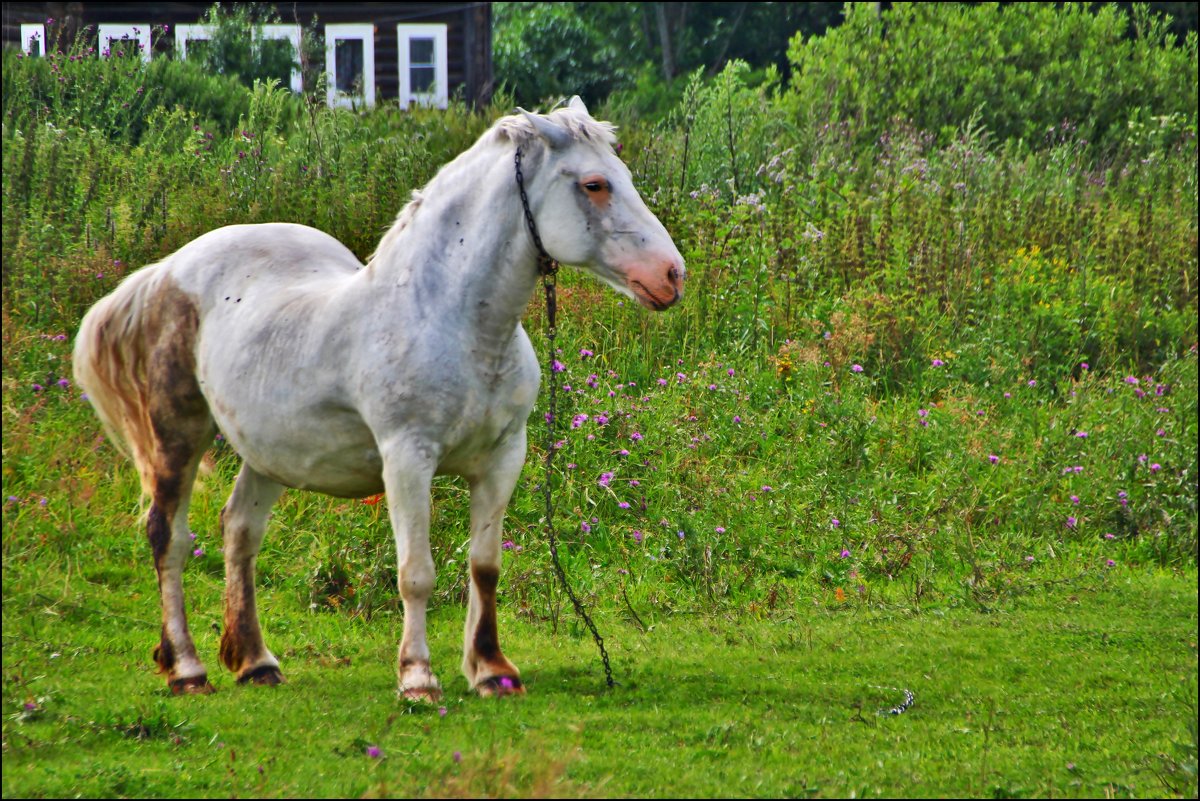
{"x": 425, "y": 695}
{"x": 500, "y": 686}
{"x": 193, "y": 685}
{"x": 263, "y": 675}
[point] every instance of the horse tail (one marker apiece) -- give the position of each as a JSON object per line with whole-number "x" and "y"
{"x": 112, "y": 353}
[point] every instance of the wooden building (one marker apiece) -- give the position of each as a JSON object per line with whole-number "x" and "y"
{"x": 422, "y": 53}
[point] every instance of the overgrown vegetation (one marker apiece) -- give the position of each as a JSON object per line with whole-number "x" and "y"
{"x": 925, "y": 365}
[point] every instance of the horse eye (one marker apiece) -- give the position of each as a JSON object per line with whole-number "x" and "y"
{"x": 594, "y": 186}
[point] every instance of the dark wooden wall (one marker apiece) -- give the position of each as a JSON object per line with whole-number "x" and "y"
{"x": 468, "y": 31}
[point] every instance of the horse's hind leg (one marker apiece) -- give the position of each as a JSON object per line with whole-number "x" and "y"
{"x": 181, "y": 435}
{"x": 243, "y": 523}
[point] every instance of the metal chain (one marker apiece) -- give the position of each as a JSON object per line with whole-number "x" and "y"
{"x": 909, "y": 698}
{"x": 548, "y": 270}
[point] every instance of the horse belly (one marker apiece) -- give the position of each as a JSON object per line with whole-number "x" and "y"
{"x": 323, "y": 450}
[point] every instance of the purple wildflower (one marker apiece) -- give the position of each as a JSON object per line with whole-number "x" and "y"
{"x": 845, "y": 553}
{"x": 605, "y": 478}
{"x": 373, "y": 752}
{"x": 584, "y": 353}
{"x": 856, "y": 368}
{"x": 557, "y": 366}
{"x": 993, "y": 458}
{"x": 937, "y": 363}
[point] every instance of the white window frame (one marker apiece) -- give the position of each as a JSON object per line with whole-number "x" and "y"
{"x": 290, "y": 33}
{"x": 365, "y": 32}
{"x": 30, "y": 32}
{"x": 139, "y": 33}
{"x": 440, "y": 96}
{"x": 190, "y": 33}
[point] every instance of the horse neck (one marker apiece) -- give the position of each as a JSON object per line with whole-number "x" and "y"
{"x": 464, "y": 253}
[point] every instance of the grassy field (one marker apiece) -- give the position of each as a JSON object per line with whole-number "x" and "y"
{"x": 1080, "y": 688}
{"x": 926, "y": 419}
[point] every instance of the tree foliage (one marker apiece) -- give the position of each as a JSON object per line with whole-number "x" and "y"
{"x": 236, "y": 47}
{"x": 1019, "y": 71}
{"x": 542, "y": 50}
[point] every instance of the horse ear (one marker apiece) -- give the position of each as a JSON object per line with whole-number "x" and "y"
{"x": 576, "y": 104}
{"x": 555, "y": 135}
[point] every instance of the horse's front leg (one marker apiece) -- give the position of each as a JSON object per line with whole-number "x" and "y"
{"x": 486, "y": 668}
{"x": 407, "y": 476}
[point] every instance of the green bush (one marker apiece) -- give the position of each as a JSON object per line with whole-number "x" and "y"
{"x": 1020, "y": 69}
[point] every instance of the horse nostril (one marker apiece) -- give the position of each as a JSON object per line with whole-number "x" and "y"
{"x": 673, "y": 276}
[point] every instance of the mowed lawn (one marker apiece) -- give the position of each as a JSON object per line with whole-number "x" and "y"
{"x": 1079, "y": 688}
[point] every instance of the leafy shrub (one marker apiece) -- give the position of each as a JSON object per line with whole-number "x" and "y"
{"x": 1020, "y": 69}
{"x": 548, "y": 51}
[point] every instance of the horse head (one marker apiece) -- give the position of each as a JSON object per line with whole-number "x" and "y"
{"x": 589, "y": 214}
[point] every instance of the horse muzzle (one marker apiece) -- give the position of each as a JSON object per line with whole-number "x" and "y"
{"x": 657, "y": 284}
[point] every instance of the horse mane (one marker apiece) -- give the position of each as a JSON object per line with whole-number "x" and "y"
{"x": 520, "y": 131}
{"x": 514, "y": 129}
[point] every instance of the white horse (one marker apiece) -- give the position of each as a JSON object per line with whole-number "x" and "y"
{"x": 327, "y": 375}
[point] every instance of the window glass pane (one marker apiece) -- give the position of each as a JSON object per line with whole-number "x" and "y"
{"x": 277, "y": 60}
{"x": 421, "y": 79}
{"x": 35, "y": 46}
{"x": 123, "y": 48}
{"x": 420, "y": 52}
{"x": 348, "y": 56}
{"x": 198, "y": 49}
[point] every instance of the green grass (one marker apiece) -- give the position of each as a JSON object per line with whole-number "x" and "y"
{"x": 1083, "y": 688}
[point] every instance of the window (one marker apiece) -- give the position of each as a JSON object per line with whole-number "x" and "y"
{"x": 192, "y": 40}
{"x": 125, "y": 41}
{"x": 33, "y": 40}
{"x": 350, "y": 64}
{"x": 423, "y": 72}
{"x": 279, "y": 36}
